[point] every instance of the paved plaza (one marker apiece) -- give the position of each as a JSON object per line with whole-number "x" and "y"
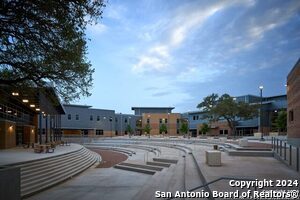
{"x": 111, "y": 183}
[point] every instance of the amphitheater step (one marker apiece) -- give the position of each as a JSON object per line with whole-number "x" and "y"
{"x": 54, "y": 170}
{"x": 135, "y": 169}
{"x": 251, "y": 153}
{"x": 165, "y": 160}
{"x": 142, "y": 166}
{"x": 161, "y": 164}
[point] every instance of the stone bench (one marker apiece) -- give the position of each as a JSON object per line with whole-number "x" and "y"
{"x": 213, "y": 158}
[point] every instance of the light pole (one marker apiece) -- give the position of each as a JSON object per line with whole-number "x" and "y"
{"x": 110, "y": 119}
{"x": 121, "y": 125}
{"x": 129, "y": 126}
{"x": 260, "y": 114}
{"x": 104, "y": 118}
{"x": 168, "y": 130}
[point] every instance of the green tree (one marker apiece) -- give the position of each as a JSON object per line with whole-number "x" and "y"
{"x": 205, "y": 128}
{"x": 281, "y": 121}
{"x": 147, "y": 129}
{"x": 163, "y": 128}
{"x": 129, "y": 130}
{"x": 184, "y": 127}
{"x": 226, "y": 108}
{"x": 44, "y": 42}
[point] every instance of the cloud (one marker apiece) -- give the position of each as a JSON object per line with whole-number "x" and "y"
{"x": 114, "y": 11}
{"x": 184, "y": 21}
{"x": 160, "y": 94}
{"x": 96, "y": 29}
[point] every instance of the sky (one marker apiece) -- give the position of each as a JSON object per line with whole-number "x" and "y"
{"x": 175, "y": 53}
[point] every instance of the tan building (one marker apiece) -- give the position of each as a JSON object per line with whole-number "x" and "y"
{"x": 293, "y": 99}
{"x": 156, "y": 120}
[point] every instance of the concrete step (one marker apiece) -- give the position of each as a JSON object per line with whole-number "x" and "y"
{"x": 251, "y": 153}
{"x": 135, "y": 169}
{"x": 142, "y": 166}
{"x": 165, "y": 160}
{"x": 161, "y": 164}
{"x": 40, "y": 162}
{"x": 53, "y": 181}
{"x": 38, "y": 174}
{"x": 57, "y": 173}
{"x": 46, "y": 166}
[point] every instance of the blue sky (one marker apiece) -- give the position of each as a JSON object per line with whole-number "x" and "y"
{"x": 174, "y": 53}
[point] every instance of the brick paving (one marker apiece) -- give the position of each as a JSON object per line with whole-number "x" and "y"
{"x": 109, "y": 158}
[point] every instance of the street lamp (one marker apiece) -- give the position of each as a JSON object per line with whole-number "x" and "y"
{"x": 260, "y": 113}
{"x": 169, "y": 131}
{"x": 129, "y": 126}
{"x": 110, "y": 119}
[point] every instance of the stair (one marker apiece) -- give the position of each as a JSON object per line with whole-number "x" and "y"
{"x": 135, "y": 169}
{"x": 165, "y": 160}
{"x": 41, "y": 174}
{"x": 142, "y": 166}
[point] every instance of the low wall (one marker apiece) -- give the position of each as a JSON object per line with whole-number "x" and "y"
{"x": 10, "y": 183}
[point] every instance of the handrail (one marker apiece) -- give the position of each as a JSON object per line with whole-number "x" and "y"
{"x": 285, "y": 152}
{"x": 216, "y": 180}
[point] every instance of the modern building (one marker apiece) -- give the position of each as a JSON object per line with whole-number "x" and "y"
{"x": 293, "y": 99}
{"x": 270, "y": 108}
{"x": 21, "y": 116}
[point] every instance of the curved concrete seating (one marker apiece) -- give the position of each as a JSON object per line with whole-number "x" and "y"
{"x": 143, "y": 166}
{"x": 40, "y": 174}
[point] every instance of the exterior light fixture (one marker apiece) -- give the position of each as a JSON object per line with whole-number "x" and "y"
{"x": 37, "y": 109}
{"x": 9, "y": 111}
{"x": 25, "y": 100}
{"x": 32, "y": 105}
{"x": 15, "y": 94}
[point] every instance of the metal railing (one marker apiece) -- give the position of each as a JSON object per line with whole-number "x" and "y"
{"x": 216, "y": 180}
{"x": 287, "y": 153}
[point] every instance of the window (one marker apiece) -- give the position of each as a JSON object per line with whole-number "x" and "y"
{"x": 197, "y": 117}
{"x": 291, "y": 115}
{"x": 166, "y": 121}
{"x": 177, "y": 131}
{"x": 77, "y": 117}
{"x": 125, "y": 120}
{"x": 160, "y": 121}
{"x": 148, "y": 121}
{"x": 116, "y": 119}
{"x": 98, "y": 118}
{"x": 99, "y": 132}
{"x": 69, "y": 117}
{"x": 177, "y": 121}
{"x": 194, "y": 117}
{"x": 91, "y": 118}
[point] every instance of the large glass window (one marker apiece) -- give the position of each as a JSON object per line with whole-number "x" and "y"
{"x": 91, "y": 118}
{"x": 77, "y": 117}
{"x": 98, "y": 118}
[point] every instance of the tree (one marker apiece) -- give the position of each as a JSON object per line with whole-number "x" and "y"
{"x": 129, "y": 130}
{"x": 184, "y": 127}
{"x": 204, "y": 128}
{"x": 226, "y": 108}
{"x": 281, "y": 121}
{"x": 163, "y": 128}
{"x": 44, "y": 42}
{"x": 147, "y": 129}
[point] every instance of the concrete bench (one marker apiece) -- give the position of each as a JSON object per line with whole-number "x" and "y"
{"x": 213, "y": 158}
